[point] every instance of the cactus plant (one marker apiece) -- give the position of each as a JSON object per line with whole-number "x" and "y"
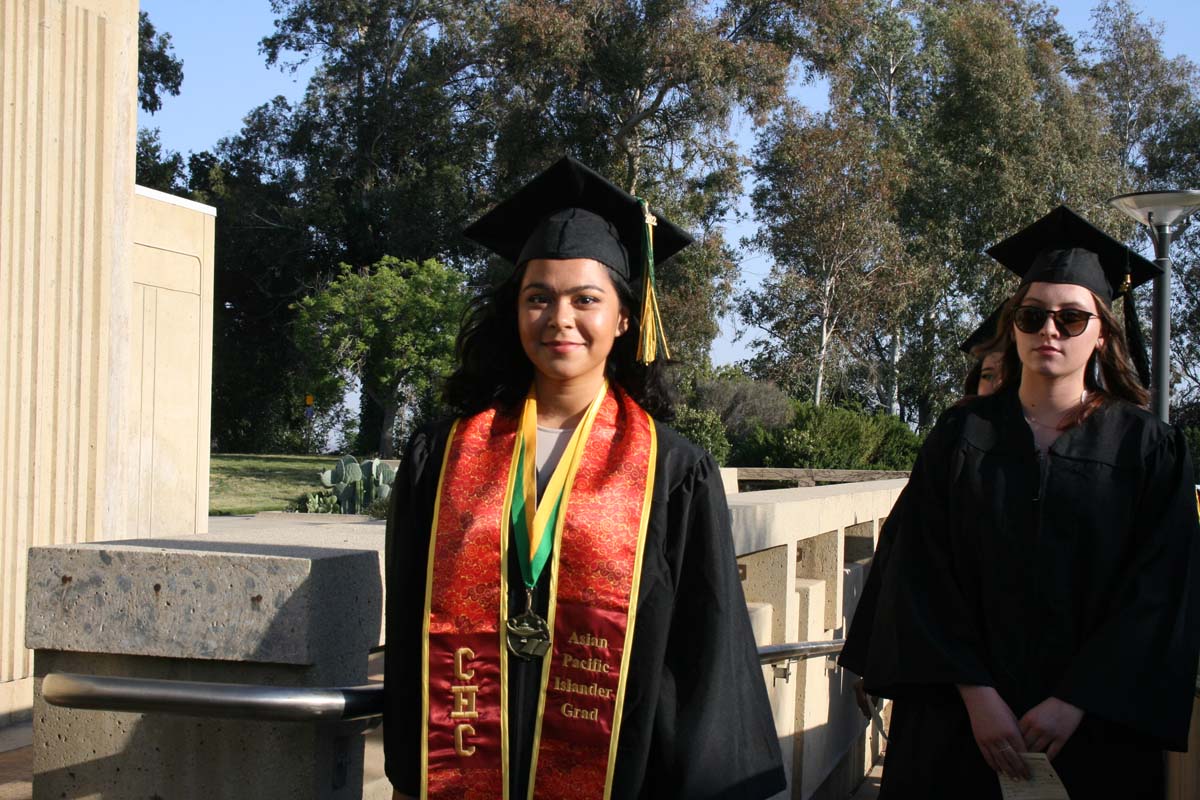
{"x": 377, "y": 480}
{"x": 345, "y": 479}
{"x": 357, "y": 485}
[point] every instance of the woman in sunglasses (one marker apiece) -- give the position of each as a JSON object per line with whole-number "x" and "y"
{"x": 1036, "y": 597}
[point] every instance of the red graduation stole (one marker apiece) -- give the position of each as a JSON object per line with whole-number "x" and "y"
{"x": 596, "y": 568}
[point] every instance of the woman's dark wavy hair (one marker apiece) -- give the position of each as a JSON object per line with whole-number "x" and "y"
{"x": 493, "y": 368}
{"x": 1110, "y": 374}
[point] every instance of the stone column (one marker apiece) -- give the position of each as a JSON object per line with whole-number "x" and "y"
{"x": 68, "y": 94}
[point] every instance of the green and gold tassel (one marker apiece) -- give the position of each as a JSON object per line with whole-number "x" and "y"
{"x": 653, "y": 336}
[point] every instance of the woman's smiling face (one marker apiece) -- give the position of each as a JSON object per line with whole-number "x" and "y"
{"x": 568, "y": 316}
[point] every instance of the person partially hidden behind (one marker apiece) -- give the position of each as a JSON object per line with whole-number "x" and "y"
{"x": 565, "y": 617}
{"x": 1036, "y": 597}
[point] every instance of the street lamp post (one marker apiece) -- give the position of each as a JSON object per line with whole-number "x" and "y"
{"x": 1158, "y": 211}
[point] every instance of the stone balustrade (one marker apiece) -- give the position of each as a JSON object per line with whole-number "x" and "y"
{"x": 297, "y": 600}
{"x": 804, "y": 555}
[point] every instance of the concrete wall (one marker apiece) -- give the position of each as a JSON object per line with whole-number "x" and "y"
{"x": 171, "y": 375}
{"x": 801, "y": 554}
{"x": 68, "y": 93}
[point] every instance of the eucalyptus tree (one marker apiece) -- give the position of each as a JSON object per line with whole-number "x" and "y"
{"x": 1153, "y": 110}
{"x": 645, "y": 93}
{"x": 823, "y": 203}
{"x": 982, "y": 123}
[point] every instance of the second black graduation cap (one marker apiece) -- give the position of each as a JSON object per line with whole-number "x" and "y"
{"x": 1063, "y": 247}
{"x": 983, "y": 333}
{"x": 571, "y": 211}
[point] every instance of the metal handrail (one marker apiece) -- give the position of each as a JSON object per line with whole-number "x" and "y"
{"x": 275, "y": 703}
{"x": 794, "y": 651}
{"x": 202, "y": 699}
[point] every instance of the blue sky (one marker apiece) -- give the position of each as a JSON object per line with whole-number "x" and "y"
{"x": 225, "y": 76}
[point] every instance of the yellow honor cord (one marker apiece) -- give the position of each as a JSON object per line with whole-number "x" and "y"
{"x": 537, "y": 515}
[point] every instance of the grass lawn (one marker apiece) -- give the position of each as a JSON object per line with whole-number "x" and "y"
{"x": 249, "y": 484}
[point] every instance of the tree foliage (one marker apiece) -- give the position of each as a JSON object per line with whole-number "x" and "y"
{"x": 950, "y": 125}
{"x": 159, "y": 71}
{"x": 157, "y": 167}
{"x": 823, "y": 202}
{"x": 391, "y": 327}
{"x": 645, "y": 93}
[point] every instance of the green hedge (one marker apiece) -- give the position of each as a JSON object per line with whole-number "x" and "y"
{"x": 827, "y": 437}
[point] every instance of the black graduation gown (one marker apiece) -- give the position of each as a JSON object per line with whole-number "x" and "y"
{"x": 696, "y": 723}
{"x": 1064, "y": 576}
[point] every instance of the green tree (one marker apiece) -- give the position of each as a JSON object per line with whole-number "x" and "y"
{"x": 158, "y": 167}
{"x": 392, "y": 327}
{"x": 159, "y": 71}
{"x": 390, "y": 134}
{"x": 268, "y": 256}
{"x": 982, "y": 122}
{"x": 824, "y": 207}
{"x": 645, "y": 93}
{"x": 1154, "y": 115}
{"x": 1143, "y": 90}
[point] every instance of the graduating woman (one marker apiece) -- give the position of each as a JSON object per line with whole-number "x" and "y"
{"x": 1037, "y": 594}
{"x": 985, "y": 375}
{"x": 565, "y": 617}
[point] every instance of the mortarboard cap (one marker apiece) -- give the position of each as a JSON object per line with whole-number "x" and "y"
{"x": 1063, "y": 247}
{"x": 983, "y": 333}
{"x": 571, "y": 211}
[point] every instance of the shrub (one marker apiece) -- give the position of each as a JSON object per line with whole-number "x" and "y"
{"x": 898, "y": 444}
{"x": 703, "y": 427}
{"x": 379, "y": 508}
{"x": 828, "y": 437}
{"x": 316, "y": 503}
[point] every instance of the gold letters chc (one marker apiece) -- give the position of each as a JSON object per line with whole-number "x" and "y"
{"x": 464, "y": 702}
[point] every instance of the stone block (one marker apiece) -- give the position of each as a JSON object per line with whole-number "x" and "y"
{"x": 860, "y": 541}
{"x": 766, "y": 578}
{"x": 820, "y": 558}
{"x": 292, "y": 603}
{"x": 292, "y": 596}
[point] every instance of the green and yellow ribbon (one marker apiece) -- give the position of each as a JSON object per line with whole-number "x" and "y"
{"x": 534, "y": 522}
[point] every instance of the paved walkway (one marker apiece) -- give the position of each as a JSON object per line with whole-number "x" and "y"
{"x": 16, "y": 762}
{"x": 870, "y": 788}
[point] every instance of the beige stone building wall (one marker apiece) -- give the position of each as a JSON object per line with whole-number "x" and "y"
{"x": 171, "y": 365}
{"x": 68, "y": 94}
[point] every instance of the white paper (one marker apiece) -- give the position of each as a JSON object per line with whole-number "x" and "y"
{"x": 1043, "y": 784}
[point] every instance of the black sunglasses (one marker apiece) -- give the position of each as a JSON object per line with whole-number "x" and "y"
{"x": 1068, "y": 321}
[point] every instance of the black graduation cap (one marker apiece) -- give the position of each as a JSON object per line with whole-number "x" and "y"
{"x": 571, "y": 211}
{"x": 1063, "y": 247}
{"x": 982, "y": 334}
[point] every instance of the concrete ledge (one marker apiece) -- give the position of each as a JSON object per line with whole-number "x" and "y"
{"x": 270, "y": 596}
{"x": 288, "y": 601}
